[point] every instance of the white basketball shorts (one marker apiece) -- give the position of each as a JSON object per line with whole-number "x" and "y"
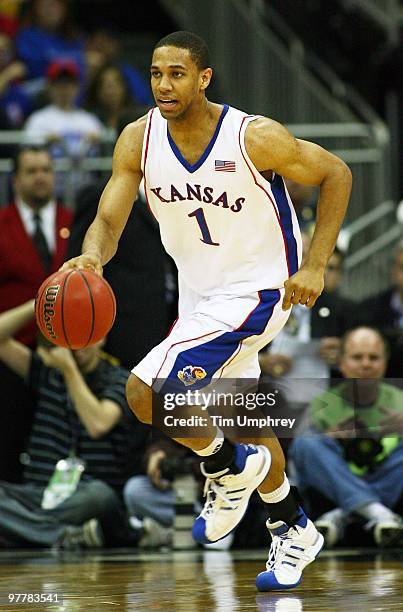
{"x": 215, "y": 337}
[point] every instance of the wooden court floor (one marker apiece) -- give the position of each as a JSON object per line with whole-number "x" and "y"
{"x": 199, "y": 581}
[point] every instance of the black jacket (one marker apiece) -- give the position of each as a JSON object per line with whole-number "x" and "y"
{"x": 332, "y": 315}
{"x": 377, "y": 311}
{"x": 136, "y": 274}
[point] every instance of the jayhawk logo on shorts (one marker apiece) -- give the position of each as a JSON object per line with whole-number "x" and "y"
{"x": 191, "y": 374}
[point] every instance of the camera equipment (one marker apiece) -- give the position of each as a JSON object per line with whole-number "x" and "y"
{"x": 171, "y": 467}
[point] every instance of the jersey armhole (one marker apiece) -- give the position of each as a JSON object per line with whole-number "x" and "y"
{"x": 245, "y": 122}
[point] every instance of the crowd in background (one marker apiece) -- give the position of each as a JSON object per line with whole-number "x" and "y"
{"x": 48, "y": 64}
{"x": 64, "y": 89}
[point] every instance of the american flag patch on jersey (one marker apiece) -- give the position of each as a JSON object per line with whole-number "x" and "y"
{"x": 224, "y": 166}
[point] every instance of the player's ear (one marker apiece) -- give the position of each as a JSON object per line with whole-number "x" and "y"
{"x": 206, "y": 75}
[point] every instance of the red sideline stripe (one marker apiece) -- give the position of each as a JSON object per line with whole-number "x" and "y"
{"x": 172, "y": 326}
{"x": 145, "y": 161}
{"x": 251, "y": 312}
{"x": 268, "y": 195}
{"x": 236, "y": 352}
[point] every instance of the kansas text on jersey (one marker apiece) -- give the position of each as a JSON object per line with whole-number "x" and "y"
{"x": 229, "y": 230}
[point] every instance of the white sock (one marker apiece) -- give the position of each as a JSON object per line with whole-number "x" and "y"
{"x": 375, "y": 511}
{"x": 214, "y": 446}
{"x": 278, "y": 494}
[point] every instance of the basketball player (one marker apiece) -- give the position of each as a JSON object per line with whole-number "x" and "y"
{"x": 213, "y": 180}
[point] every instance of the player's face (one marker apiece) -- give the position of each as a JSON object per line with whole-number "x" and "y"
{"x": 176, "y": 81}
{"x": 364, "y": 356}
{"x": 34, "y": 181}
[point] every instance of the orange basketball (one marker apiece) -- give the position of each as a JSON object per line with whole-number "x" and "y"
{"x": 75, "y": 308}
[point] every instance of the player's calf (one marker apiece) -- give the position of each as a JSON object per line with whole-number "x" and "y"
{"x": 139, "y": 398}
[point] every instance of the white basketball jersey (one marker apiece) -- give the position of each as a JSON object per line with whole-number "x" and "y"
{"x": 228, "y": 229}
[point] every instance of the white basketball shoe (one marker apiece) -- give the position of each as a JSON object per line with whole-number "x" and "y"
{"x": 227, "y": 494}
{"x": 292, "y": 549}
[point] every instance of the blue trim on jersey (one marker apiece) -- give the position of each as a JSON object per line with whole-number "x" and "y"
{"x": 212, "y": 355}
{"x": 202, "y": 159}
{"x": 278, "y": 190}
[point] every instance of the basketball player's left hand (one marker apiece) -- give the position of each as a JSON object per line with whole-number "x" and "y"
{"x": 303, "y": 287}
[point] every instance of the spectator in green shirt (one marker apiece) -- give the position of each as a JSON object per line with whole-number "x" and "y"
{"x": 353, "y": 453}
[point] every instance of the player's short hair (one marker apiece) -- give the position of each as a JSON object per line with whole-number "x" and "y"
{"x": 24, "y": 149}
{"x": 196, "y": 46}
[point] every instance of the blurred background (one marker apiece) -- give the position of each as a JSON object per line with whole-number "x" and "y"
{"x": 74, "y": 73}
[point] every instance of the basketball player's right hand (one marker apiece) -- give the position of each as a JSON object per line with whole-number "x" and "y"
{"x": 304, "y": 287}
{"x": 86, "y": 261}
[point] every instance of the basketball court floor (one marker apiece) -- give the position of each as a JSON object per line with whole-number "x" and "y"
{"x": 198, "y": 581}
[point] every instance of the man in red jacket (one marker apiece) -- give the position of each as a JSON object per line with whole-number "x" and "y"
{"x": 34, "y": 232}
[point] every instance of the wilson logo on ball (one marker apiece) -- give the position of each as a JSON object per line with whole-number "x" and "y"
{"x": 48, "y": 308}
{"x": 75, "y": 308}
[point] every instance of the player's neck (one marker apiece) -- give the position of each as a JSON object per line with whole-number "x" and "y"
{"x": 197, "y": 119}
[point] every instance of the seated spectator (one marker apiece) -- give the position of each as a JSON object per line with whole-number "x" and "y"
{"x": 77, "y": 456}
{"x": 34, "y": 232}
{"x": 150, "y": 495}
{"x": 385, "y": 312}
{"x": 13, "y": 97}
{"x": 48, "y": 34}
{"x": 69, "y": 131}
{"x": 109, "y": 98}
{"x": 353, "y": 455}
{"x": 303, "y": 357}
{"x": 104, "y": 48}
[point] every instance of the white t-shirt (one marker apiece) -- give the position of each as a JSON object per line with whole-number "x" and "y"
{"x": 73, "y": 126}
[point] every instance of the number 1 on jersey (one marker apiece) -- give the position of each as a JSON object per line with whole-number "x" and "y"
{"x": 201, "y": 220}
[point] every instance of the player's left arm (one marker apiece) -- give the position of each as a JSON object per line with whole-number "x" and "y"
{"x": 98, "y": 416}
{"x": 271, "y": 147}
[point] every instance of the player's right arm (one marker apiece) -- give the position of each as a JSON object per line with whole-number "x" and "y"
{"x": 102, "y": 237}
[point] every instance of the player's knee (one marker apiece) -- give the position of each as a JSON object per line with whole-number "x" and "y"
{"x": 139, "y": 398}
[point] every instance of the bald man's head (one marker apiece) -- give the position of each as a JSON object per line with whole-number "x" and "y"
{"x": 363, "y": 354}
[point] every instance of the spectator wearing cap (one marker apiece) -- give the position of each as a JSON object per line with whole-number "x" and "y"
{"x": 69, "y": 130}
